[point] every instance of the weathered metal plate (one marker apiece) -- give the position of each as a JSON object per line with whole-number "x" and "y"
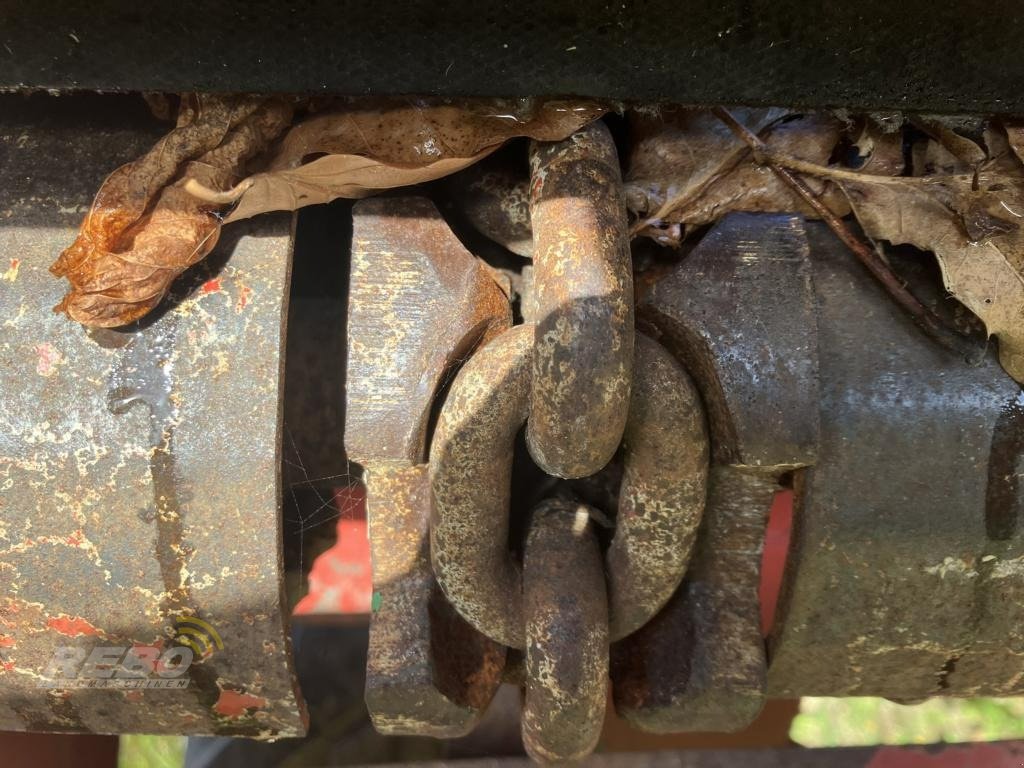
{"x": 906, "y": 575}
{"x": 428, "y": 672}
{"x": 739, "y": 313}
{"x": 740, "y": 310}
{"x": 138, "y": 471}
{"x": 699, "y": 665}
{"x": 419, "y": 303}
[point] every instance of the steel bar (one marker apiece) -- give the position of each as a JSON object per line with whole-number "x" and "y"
{"x": 875, "y": 54}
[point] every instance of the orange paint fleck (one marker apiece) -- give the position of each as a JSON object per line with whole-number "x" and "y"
{"x": 75, "y": 539}
{"x": 12, "y": 272}
{"x": 244, "y": 294}
{"x": 7, "y": 666}
{"x": 47, "y": 359}
{"x": 6, "y": 641}
{"x": 234, "y": 704}
{"x": 211, "y": 286}
{"x": 133, "y": 696}
{"x": 72, "y": 626}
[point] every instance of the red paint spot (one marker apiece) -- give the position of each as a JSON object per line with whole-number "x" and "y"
{"x": 235, "y": 704}
{"x": 7, "y": 666}
{"x": 134, "y": 696}
{"x": 6, "y": 641}
{"x": 47, "y": 359}
{"x": 341, "y": 579}
{"x": 75, "y": 539}
{"x": 773, "y": 558}
{"x": 72, "y": 626}
{"x": 244, "y": 294}
{"x": 211, "y": 286}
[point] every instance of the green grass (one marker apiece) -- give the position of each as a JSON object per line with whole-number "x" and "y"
{"x": 151, "y": 752}
{"x": 864, "y": 721}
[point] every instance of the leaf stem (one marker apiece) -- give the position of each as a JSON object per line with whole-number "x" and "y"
{"x": 923, "y": 317}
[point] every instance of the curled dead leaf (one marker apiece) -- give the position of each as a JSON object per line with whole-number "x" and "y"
{"x": 356, "y": 151}
{"x": 141, "y": 233}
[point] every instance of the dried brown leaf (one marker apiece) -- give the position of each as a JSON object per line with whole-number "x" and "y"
{"x": 972, "y": 223}
{"x": 676, "y": 152}
{"x": 947, "y": 153}
{"x": 140, "y": 234}
{"x": 1015, "y": 137}
{"x": 358, "y": 151}
{"x": 686, "y": 168}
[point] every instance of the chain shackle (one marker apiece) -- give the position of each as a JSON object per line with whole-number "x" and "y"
{"x": 665, "y": 458}
{"x": 583, "y": 358}
{"x": 566, "y": 634}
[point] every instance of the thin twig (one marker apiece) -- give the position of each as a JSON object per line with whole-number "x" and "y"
{"x": 925, "y": 319}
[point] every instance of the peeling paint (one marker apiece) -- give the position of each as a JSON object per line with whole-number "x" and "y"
{"x": 235, "y": 704}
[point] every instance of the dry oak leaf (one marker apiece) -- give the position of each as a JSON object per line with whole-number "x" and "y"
{"x": 366, "y": 147}
{"x": 140, "y": 233}
{"x": 971, "y": 222}
{"x": 686, "y": 168}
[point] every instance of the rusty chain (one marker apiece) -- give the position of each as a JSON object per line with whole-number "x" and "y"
{"x": 665, "y": 458}
{"x": 583, "y": 383}
{"x": 585, "y": 387}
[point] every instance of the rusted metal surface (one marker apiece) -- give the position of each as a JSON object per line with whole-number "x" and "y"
{"x": 428, "y": 672}
{"x": 470, "y": 473}
{"x": 494, "y": 195}
{"x": 419, "y": 303}
{"x": 583, "y": 288}
{"x": 138, "y": 468}
{"x": 739, "y": 313}
{"x": 665, "y": 456}
{"x": 699, "y": 665}
{"x": 905, "y": 574}
{"x": 566, "y": 634}
{"x": 665, "y": 465}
